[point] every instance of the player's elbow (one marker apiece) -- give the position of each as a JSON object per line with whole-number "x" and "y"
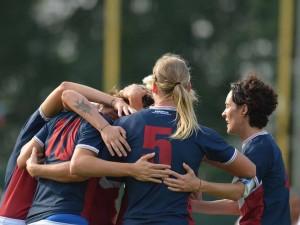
{"x": 21, "y": 163}
{"x": 65, "y": 85}
{"x": 66, "y": 98}
{"x": 76, "y": 167}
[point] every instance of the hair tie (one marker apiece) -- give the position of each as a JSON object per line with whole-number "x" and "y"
{"x": 177, "y": 83}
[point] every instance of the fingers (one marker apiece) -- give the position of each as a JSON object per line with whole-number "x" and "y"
{"x": 148, "y": 156}
{"x": 120, "y": 111}
{"x": 122, "y": 132}
{"x": 173, "y": 182}
{"x": 154, "y": 180}
{"x": 125, "y": 110}
{"x": 187, "y": 168}
{"x": 109, "y": 148}
{"x": 174, "y": 189}
{"x": 175, "y": 174}
{"x": 131, "y": 110}
{"x": 125, "y": 144}
{"x": 116, "y": 149}
{"x": 160, "y": 166}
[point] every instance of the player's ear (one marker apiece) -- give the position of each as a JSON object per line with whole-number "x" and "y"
{"x": 244, "y": 110}
{"x": 154, "y": 88}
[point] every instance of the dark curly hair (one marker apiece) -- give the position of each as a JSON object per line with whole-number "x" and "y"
{"x": 260, "y": 98}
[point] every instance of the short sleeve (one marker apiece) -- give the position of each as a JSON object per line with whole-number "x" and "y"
{"x": 89, "y": 138}
{"x": 216, "y": 148}
{"x": 42, "y": 135}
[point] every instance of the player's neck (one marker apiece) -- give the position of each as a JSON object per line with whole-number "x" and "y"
{"x": 248, "y": 132}
{"x": 164, "y": 102}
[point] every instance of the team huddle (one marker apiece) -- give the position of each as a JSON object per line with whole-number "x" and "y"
{"x": 77, "y": 149}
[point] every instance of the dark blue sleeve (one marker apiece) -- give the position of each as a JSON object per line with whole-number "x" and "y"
{"x": 215, "y": 147}
{"x": 42, "y": 135}
{"x": 89, "y": 138}
{"x": 29, "y": 129}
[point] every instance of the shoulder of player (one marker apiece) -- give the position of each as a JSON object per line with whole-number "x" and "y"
{"x": 132, "y": 117}
{"x": 208, "y": 132}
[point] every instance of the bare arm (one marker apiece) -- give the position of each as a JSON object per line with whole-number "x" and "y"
{"x": 189, "y": 182}
{"x": 54, "y": 104}
{"x": 58, "y": 172}
{"x": 218, "y": 207}
{"x": 84, "y": 163}
{"x": 241, "y": 166}
{"x": 113, "y": 136}
{"x": 26, "y": 152}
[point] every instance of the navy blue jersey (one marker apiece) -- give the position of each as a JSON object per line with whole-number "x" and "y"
{"x": 268, "y": 204}
{"x": 14, "y": 204}
{"x": 149, "y": 131}
{"x": 60, "y": 137}
{"x": 29, "y": 129}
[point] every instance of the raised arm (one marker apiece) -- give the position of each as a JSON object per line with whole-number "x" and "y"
{"x": 84, "y": 163}
{"x": 54, "y": 104}
{"x": 113, "y": 136}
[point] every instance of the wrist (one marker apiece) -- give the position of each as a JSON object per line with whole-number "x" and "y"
{"x": 114, "y": 101}
{"x": 199, "y": 187}
{"x": 103, "y": 127}
{"x": 131, "y": 169}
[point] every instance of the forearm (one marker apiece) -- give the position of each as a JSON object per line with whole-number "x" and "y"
{"x": 218, "y": 207}
{"x": 91, "y": 166}
{"x": 90, "y": 93}
{"x": 80, "y": 104}
{"x": 58, "y": 172}
{"x": 223, "y": 190}
{"x": 26, "y": 152}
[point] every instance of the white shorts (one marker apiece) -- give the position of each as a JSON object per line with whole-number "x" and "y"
{"x": 48, "y": 222}
{"x": 10, "y": 221}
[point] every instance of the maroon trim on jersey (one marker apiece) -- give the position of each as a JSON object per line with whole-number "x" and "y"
{"x": 18, "y": 196}
{"x": 63, "y": 151}
{"x": 99, "y": 205}
{"x": 190, "y": 210}
{"x": 253, "y": 208}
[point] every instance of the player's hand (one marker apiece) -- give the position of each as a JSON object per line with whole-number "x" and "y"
{"x": 122, "y": 107}
{"x": 188, "y": 182}
{"x": 32, "y": 161}
{"x": 114, "y": 138}
{"x": 147, "y": 171}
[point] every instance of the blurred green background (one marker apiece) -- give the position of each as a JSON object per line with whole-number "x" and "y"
{"x": 45, "y": 42}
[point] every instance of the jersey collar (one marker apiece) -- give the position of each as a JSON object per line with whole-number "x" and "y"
{"x": 245, "y": 142}
{"x": 172, "y": 108}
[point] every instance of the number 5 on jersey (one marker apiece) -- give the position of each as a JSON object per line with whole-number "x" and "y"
{"x": 158, "y": 137}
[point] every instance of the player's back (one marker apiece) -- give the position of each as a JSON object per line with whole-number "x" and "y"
{"x": 14, "y": 204}
{"x": 149, "y": 131}
{"x": 60, "y": 137}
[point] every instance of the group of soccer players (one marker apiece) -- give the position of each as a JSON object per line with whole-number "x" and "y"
{"x": 69, "y": 159}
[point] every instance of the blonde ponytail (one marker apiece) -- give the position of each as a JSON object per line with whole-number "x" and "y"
{"x": 172, "y": 77}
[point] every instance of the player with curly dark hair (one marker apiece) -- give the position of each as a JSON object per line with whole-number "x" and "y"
{"x": 248, "y": 106}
